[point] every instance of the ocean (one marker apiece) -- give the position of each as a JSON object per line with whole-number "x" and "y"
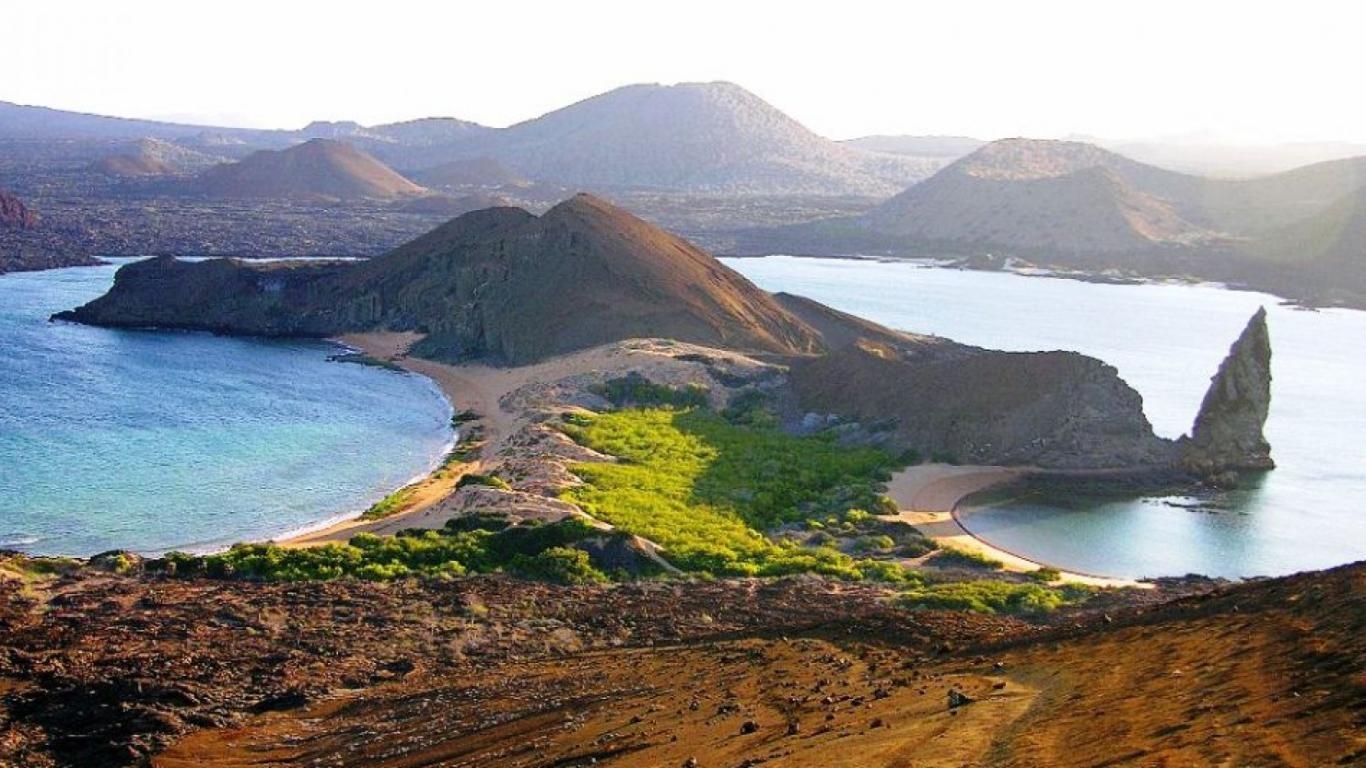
{"x": 154, "y": 440}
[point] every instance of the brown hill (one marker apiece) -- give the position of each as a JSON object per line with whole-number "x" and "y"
{"x": 124, "y": 166}
{"x": 1026, "y": 195}
{"x": 498, "y": 283}
{"x": 320, "y": 168}
{"x": 1263, "y": 674}
{"x": 154, "y": 157}
{"x": 517, "y": 287}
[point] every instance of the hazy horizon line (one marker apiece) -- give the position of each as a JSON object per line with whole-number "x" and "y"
{"x": 238, "y": 121}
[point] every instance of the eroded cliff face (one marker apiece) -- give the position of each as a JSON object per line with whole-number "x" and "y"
{"x": 227, "y": 296}
{"x": 1058, "y": 410}
{"x": 1228, "y": 429}
{"x": 14, "y": 214}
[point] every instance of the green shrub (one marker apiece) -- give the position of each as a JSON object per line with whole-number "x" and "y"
{"x": 633, "y": 389}
{"x": 992, "y": 597}
{"x": 491, "y": 481}
{"x": 856, "y": 516}
{"x": 963, "y": 558}
{"x": 751, "y": 408}
{"x": 562, "y": 565}
{"x": 1045, "y": 574}
{"x": 463, "y": 546}
{"x": 390, "y": 505}
{"x": 705, "y": 489}
{"x": 874, "y": 543}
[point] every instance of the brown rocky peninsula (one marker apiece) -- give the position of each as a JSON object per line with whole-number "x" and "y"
{"x": 508, "y": 288}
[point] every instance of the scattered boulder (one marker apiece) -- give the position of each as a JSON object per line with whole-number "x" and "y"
{"x": 117, "y": 561}
{"x": 959, "y": 699}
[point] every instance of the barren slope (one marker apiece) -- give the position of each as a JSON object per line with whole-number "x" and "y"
{"x": 321, "y": 168}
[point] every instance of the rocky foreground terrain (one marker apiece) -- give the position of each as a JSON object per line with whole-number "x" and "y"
{"x": 101, "y": 669}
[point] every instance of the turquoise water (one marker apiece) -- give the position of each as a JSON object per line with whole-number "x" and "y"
{"x": 156, "y": 440}
{"x": 1166, "y": 341}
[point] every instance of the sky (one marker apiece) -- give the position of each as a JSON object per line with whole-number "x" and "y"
{"x": 1237, "y": 72}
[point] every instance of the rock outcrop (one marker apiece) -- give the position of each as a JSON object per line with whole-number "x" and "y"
{"x": 949, "y": 401}
{"x": 14, "y": 214}
{"x": 1228, "y": 429}
{"x": 25, "y": 244}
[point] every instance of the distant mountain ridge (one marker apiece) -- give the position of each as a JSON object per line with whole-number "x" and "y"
{"x": 706, "y": 138}
{"x": 1077, "y": 206}
{"x": 703, "y": 137}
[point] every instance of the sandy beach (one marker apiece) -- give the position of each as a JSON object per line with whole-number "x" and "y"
{"x": 471, "y": 386}
{"x": 467, "y": 388}
{"x": 929, "y": 496}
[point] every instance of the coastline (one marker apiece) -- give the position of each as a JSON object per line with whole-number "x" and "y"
{"x": 473, "y": 387}
{"x": 428, "y": 491}
{"x": 929, "y": 497}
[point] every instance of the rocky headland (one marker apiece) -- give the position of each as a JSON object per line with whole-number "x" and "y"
{"x": 506, "y": 287}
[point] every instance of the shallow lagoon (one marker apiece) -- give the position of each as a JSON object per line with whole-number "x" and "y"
{"x": 1166, "y": 340}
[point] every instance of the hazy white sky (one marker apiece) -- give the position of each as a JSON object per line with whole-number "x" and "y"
{"x": 1253, "y": 71}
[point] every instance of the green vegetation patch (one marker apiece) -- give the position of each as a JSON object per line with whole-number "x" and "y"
{"x": 962, "y": 558}
{"x": 478, "y": 546}
{"x": 705, "y": 489}
{"x": 1045, "y": 575}
{"x": 490, "y": 481}
{"x": 988, "y": 596}
{"x": 390, "y": 505}
{"x": 633, "y": 389}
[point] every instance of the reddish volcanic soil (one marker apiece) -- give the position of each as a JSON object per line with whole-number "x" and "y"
{"x": 103, "y": 670}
